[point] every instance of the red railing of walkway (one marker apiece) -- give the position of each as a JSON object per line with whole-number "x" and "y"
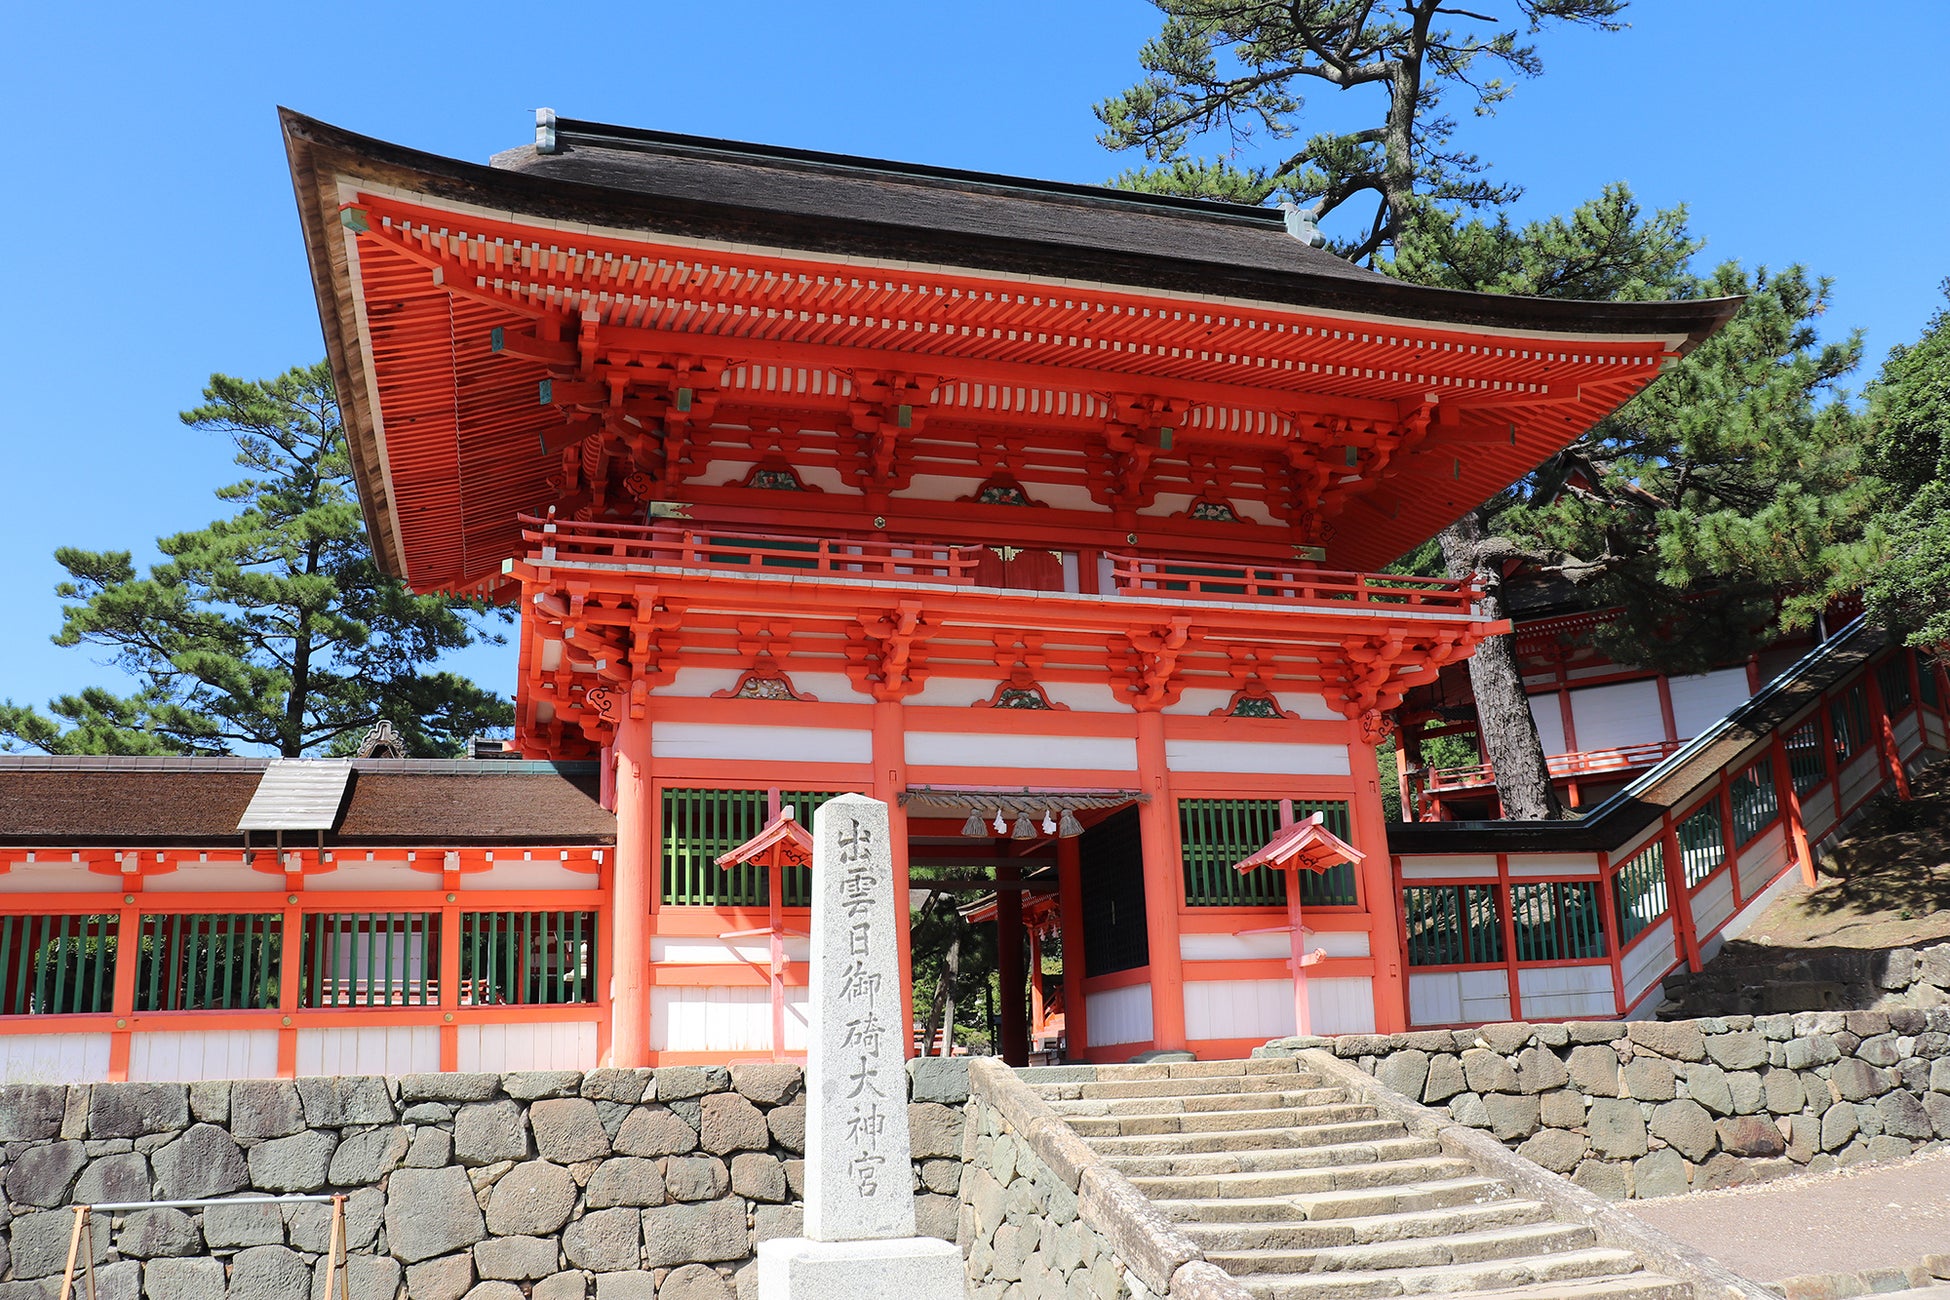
{"x": 1582, "y": 762}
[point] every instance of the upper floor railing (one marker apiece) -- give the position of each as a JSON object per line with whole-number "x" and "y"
{"x": 689, "y": 546}
{"x": 1578, "y": 763}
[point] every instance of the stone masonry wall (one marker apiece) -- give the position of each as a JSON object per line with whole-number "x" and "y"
{"x": 1044, "y": 1218}
{"x": 1655, "y": 1108}
{"x": 1840, "y": 979}
{"x": 549, "y": 1186}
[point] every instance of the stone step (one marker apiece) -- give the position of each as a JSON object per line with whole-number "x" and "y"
{"x": 1034, "y": 1074}
{"x": 1406, "y": 1198}
{"x": 1623, "y": 1286}
{"x": 1201, "y": 1104}
{"x": 1493, "y": 1276}
{"x": 1414, "y": 1252}
{"x": 1213, "y": 1085}
{"x": 1243, "y": 1162}
{"x": 1319, "y": 1234}
{"x": 1225, "y": 1121}
{"x": 1294, "y": 1182}
{"x": 1258, "y": 1139}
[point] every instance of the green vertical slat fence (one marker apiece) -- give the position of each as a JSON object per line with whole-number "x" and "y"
{"x": 1452, "y": 925}
{"x": 1754, "y": 801}
{"x": 1701, "y": 847}
{"x": 1215, "y": 833}
{"x": 209, "y": 961}
{"x": 372, "y": 959}
{"x": 521, "y": 958}
{"x": 701, "y": 824}
{"x": 1805, "y": 762}
{"x": 1639, "y": 891}
{"x": 61, "y": 964}
{"x": 1557, "y": 920}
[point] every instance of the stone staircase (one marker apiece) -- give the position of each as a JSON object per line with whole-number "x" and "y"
{"x": 1302, "y": 1192}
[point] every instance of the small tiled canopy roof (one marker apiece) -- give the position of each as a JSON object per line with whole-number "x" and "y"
{"x": 131, "y": 802}
{"x": 1307, "y": 845}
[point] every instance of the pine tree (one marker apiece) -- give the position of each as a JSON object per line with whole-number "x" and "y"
{"x": 271, "y": 629}
{"x": 1907, "y": 551}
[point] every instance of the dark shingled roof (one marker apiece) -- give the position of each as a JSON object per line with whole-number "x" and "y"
{"x": 138, "y": 802}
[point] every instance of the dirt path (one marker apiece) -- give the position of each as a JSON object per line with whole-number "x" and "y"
{"x": 1878, "y": 1216}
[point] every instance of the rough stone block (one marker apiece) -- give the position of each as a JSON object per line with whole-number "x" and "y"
{"x": 1887, "y": 1146}
{"x": 1661, "y": 1173}
{"x": 657, "y": 1131}
{"x": 1556, "y": 1150}
{"x": 732, "y": 1123}
{"x": 941, "y": 1079}
{"x": 367, "y": 1157}
{"x": 1741, "y": 1051}
{"x": 695, "y": 1282}
{"x": 675, "y": 1082}
{"x": 231, "y": 1227}
{"x": 623, "y": 1286}
{"x": 337, "y": 1100}
{"x": 432, "y": 1148}
{"x": 604, "y": 1241}
{"x": 536, "y": 1085}
{"x": 1513, "y": 1117}
{"x": 308, "y": 1228}
{"x": 625, "y": 1180}
{"x": 1617, "y": 1128}
{"x": 148, "y": 1234}
{"x": 184, "y": 1279}
{"x": 39, "y": 1242}
{"x": 1604, "y": 1178}
{"x": 1685, "y": 1126}
{"x": 1707, "y": 1085}
{"x": 1507, "y": 1036}
{"x": 135, "y": 1109}
{"x": 494, "y": 1290}
{"x": 448, "y": 1087}
{"x": 31, "y": 1112}
{"x": 1561, "y": 1109}
{"x": 1859, "y": 1081}
{"x": 446, "y": 1278}
{"x": 1135, "y": 1230}
{"x": 431, "y": 1212}
{"x": 772, "y": 1083}
{"x": 704, "y": 1232}
{"x": 1446, "y": 1080}
{"x": 44, "y": 1175}
{"x": 488, "y": 1132}
{"x": 1751, "y": 1135}
{"x": 299, "y": 1163}
{"x": 778, "y": 1221}
{"x": 1839, "y": 1123}
{"x": 570, "y": 1284}
{"x": 568, "y": 1130}
{"x": 515, "y": 1259}
{"x": 1539, "y": 1070}
{"x": 757, "y": 1176}
{"x": 123, "y": 1176}
{"x": 1676, "y": 1040}
{"x": 885, "y": 1270}
{"x": 696, "y": 1178}
{"x": 1487, "y": 1072}
{"x": 1784, "y": 1091}
{"x": 1407, "y": 1072}
{"x": 532, "y": 1199}
{"x": 204, "y": 1161}
{"x": 1903, "y": 1116}
{"x": 934, "y": 1216}
{"x": 943, "y": 1176}
{"x": 1648, "y": 1078}
{"x": 1748, "y": 1095}
{"x": 626, "y": 1086}
{"x": 269, "y": 1273}
{"x": 265, "y": 1108}
{"x": 934, "y": 1131}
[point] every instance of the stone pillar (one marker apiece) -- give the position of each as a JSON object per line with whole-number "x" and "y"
{"x": 629, "y": 902}
{"x": 1164, "y": 885}
{"x": 859, "y": 1240}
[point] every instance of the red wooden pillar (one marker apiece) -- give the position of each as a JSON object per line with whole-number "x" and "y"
{"x": 1378, "y": 893}
{"x": 889, "y": 781}
{"x": 1890, "y": 754}
{"x": 629, "y": 1035}
{"x": 128, "y": 940}
{"x": 1069, "y": 893}
{"x": 290, "y": 970}
{"x": 1668, "y": 717}
{"x": 1790, "y": 800}
{"x": 1682, "y": 900}
{"x": 1164, "y": 884}
{"x": 1012, "y": 994}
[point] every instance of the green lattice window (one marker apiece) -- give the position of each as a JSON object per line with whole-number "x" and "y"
{"x": 371, "y": 959}
{"x": 1111, "y": 858}
{"x": 1215, "y": 833}
{"x": 527, "y": 958}
{"x": 1893, "y": 677}
{"x": 57, "y": 965}
{"x": 1805, "y": 762}
{"x": 1452, "y": 925}
{"x": 1639, "y": 889}
{"x": 701, "y": 824}
{"x": 1557, "y": 920}
{"x": 1702, "y": 846}
{"x": 1755, "y": 803}
{"x": 210, "y": 961}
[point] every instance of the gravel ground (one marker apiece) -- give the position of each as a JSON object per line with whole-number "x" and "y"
{"x": 1876, "y": 1216}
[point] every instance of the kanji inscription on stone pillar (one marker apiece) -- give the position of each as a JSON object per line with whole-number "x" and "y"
{"x": 858, "y": 1179}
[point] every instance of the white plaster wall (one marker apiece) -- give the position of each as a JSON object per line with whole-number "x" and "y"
{"x": 1624, "y": 713}
{"x": 1449, "y": 866}
{"x": 709, "y": 1018}
{"x": 1699, "y": 702}
{"x": 1259, "y": 759}
{"x": 1238, "y": 1009}
{"x": 351, "y": 874}
{"x": 1048, "y": 753}
{"x": 1548, "y": 714}
{"x": 376, "y": 1049}
{"x": 53, "y": 1058}
{"x": 536, "y": 873}
{"x": 1818, "y": 811}
{"x": 1119, "y": 1015}
{"x": 222, "y": 878}
{"x": 1264, "y": 947}
{"x": 1562, "y": 992}
{"x": 498, "y": 1048}
{"x": 190, "y": 1055}
{"x": 57, "y": 878}
{"x": 1714, "y": 903}
{"x": 1647, "y": 962}
{"x": 1764, "y": 859}
{"x": 1458, "y": 997}
{"x": 677, "y": 740}
{"x": 1527, "y": 865}
{"x": 702, "y": 950}
{"x": 1341, "y": 1004}
{"x": 1862, "y": 775}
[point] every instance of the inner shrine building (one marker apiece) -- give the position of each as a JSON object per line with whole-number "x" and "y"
{"x": 1048, "y": 514}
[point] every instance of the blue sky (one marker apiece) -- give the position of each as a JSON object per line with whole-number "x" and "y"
{"x": 152, "y": 236}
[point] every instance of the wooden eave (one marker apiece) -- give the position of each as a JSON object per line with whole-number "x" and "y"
{"x": 704, "y": 199}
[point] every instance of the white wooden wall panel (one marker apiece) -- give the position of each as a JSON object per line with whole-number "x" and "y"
{"x": 1341, "y": 1005}
{"x": 1548, "y": 714}
{"x": 187, "y": 1056}
{"x": 1563, "y": 992}
{"x": 1050, "y": 753}
{"x": 53, "y": 1058}
{"x": 1818, "y": 811}
{"x": 380, "y": 1049}
{"x": 707, "y": 1018}
{"x": 1263, "y": 947}
{"x": 1644, "y": 965}
{"x": 704, "y": 950}
{"x": 496, "y": 1049}
{"x": 538, "y": 873}
{"x": 761, "y": 744}
{"x": 56, "y": 878}
{"x": 1239, "y": 1008}
{"x": 1119, "y": 1015}
{"x": 1244, "y": 756}
{"x": 1624, "y": 713}
{"x": 1469, "y": 997}
{"x": 1934, "y": 733}
{"x": 1449, "y": 866}
{"x": 1485, "y": 995}
{"x": 1553, "y": 864}
{"x": 1699, "y": 702}
{"x": 1862, "y": 775}
{"x": 1764, "y": 859}
{"x": 1909, "y": 732}
{"x": 1713, "y": 904}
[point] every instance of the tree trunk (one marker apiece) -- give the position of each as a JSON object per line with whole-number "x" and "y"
{"x": 1505, "y": 726}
